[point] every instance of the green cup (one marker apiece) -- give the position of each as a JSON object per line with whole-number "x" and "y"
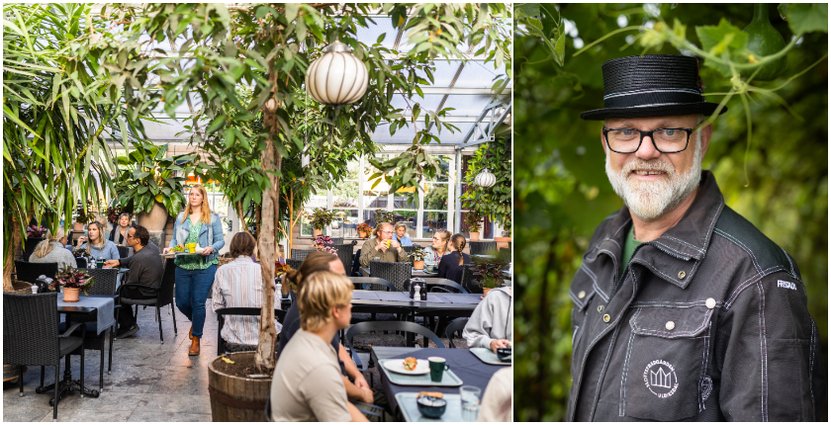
{"x": 437, "y": 367}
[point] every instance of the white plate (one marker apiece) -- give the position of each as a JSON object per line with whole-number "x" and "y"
{"x": 397, "y": 366}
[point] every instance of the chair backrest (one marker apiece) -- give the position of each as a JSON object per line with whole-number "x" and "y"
{"x": 104, "y": 281}
{"x": 301, "y": 254}
{"x": 239, "y": 311}
{"x": 455, "y": 327}
{"x": 371, "y": 283}
{"x": 396, "y": 273}
{"x": 294, "y": 263}
{"x": 168, "y": 281}
{"x": 468, "y": 280}
{"x": 337, "y": 241}
{"x": 345, "y": 254}
{"x": 440, "y": 284}
{"x": 81, "y": 262}
{"x": 30, "y": 328}
{"x": 29, "y": 272}
{"x": 409, "y": 249}
{"x": 123, "y": 251}
{"x": 29, "y": 247}
{"x": 482, "y": 247}
{"x": 390, "y": 326}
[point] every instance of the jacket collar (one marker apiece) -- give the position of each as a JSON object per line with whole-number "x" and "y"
{"x": 676, "y": 255}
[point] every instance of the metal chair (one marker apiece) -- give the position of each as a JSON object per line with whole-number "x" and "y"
{"x": 159, "y": 297}
{"x": 482, "y": 247}
{"x": 30, "y": 245}
{"x": 301, "y": 254}
{"x": 469, "y": 281}
{"x": 104, "y": 282}
{"x": 239, "y": 311}
{"x": 396, "y": 273}
{"x": 345, "y": 254}
{"x": 30, "y": 337}
{"x": 372, "y": 283}
{"x": 29, "y": 272}
{"x": 456, "y": 326}
{"x": 388, "y": 326}
{"x": 440, "y": 284}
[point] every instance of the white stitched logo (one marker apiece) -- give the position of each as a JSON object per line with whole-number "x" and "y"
{"x": 660, "y": 379}
{"x": 785, "y": 284}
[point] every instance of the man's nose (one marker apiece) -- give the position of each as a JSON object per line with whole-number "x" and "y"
{"x": 647, "y": 149}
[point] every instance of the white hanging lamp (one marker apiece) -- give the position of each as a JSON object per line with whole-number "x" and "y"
{"x": 485, "y": 178}
{"x": 337, "y": 77}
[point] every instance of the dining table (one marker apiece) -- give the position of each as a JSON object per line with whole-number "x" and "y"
{"x": 469, "y": 368}
{"x": 399, "y": 302}
{"x": 86, "y": 308}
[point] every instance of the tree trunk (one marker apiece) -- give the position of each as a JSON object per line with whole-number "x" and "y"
{"x": 9, "y": 260}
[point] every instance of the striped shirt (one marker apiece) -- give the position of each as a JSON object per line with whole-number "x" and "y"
{"x": 240, "y": 284}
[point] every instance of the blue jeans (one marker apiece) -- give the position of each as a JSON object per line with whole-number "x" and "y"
{"x": 192, "y": 290}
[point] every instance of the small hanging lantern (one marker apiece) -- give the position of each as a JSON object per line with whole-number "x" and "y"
{"x": 337, "y": 77}
{"x": 485, "y": 178}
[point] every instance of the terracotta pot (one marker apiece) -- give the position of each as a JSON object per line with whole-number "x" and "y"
{"x": 474, "y": 236}
{"x": 317, "y": 232}
{"x": 237, "y": 398}
{"x": 502, "y": 241}
{"x": 155, "y": 220}
{"x": 363, "y": 235}
{"x": 418, "y": 264}
{"x": 71, "y": 295}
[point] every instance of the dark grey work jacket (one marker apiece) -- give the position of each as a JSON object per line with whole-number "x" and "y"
{"x": 708, "y": 322}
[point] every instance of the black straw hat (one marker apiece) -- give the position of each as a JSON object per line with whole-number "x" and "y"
{"x": 651, "y": 85}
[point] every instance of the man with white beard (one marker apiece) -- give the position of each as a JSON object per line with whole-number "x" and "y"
{"x": 683, "y": 310}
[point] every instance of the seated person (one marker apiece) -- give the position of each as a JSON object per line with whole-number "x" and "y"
{"x": 491, "y": 325}
{"x": 382, "y": 247}
{"x": 452, "y": 264}
{"x": 97, "y": 247}
{"x": 240, "y": 284}
{"x": 438, "y": 248}
{"x": 315, "y": 262}
{"x": 146, "y": 270}
{"x": 401, "y": 235}
{"x": 496, "y": 401}
{"x": 52, "y": 250}
{"x": 307, "y": 384}
{"x": 118, "y": 234}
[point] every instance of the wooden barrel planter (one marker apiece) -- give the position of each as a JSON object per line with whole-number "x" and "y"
{"x": 238, "y": 392}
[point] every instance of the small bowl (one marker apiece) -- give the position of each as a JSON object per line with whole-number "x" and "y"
{"x": 431, "y": 407}
{"x": 504, "y": 354}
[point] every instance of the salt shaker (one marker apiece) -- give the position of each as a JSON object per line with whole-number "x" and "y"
{"x": 416, "y": 291}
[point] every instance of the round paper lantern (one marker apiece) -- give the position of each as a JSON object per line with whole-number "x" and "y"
{"x": 485, "y": 178}
{"x": 337, "y": 77}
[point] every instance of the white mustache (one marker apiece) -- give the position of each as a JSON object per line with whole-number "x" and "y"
{"x": 629, "y": 167}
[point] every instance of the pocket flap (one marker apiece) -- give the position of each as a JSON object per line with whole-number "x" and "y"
{"x": 582, "y": 290}
{"x": 671, "y": 322}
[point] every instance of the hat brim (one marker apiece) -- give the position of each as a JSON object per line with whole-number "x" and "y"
{"x": 705, "y": 108}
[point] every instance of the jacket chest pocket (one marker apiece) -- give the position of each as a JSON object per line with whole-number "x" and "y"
{"x": 581, "y": 293}
{"x": 664, "y": 374}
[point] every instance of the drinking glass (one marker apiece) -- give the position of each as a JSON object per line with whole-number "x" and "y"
{"x": 470, "y": 402}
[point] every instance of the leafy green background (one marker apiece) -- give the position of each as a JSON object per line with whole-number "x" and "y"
{"x": 773, "y": 172}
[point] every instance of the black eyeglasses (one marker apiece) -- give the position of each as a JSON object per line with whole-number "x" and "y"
{"x": 665, "y": 140}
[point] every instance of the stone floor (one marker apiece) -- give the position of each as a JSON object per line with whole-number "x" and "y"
{"x": 150, "y": 382}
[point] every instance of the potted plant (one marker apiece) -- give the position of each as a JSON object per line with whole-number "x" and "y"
{"x": 488, "y": 271}
{"x": 82, "y": 218}
{"x": 73, "y": 281}
{"x": 417, "y": 257}
{"x": 324, "y": 243}
{"x": 472, "y": 221}
{"x": 320, "y": 218}
{"x": 149, "y": 183}
{"x": 384, "y": 216}
{"x": 364, "y": 230}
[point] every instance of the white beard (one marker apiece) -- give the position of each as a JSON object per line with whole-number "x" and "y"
{"x": 651, "y": 200}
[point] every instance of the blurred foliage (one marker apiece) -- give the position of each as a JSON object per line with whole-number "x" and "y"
{"x": 769, "y": 151}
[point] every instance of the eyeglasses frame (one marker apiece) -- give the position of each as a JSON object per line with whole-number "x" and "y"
{"x": 649, "y": 133}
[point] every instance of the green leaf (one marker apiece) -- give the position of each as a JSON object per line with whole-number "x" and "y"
{"x": 806, "y": 17}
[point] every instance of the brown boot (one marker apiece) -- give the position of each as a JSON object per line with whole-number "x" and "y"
{"x": 194, "y": 346}
{"x": 190, "y": 333}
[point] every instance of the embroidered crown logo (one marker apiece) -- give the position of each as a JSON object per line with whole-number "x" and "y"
{"x": 660, "y": 379}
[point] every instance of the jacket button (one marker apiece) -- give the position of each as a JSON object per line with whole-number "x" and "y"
{"x": 607, "y": 318}
{"x": 600, "y": 308}
{"x": 670, "y": 325}
{"x": 711, "y": 303}
{"x": 581, "y": 294}
{"x": 682, "y": 274}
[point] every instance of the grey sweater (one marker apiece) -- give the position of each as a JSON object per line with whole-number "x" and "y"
{"x": 492, "y": 319}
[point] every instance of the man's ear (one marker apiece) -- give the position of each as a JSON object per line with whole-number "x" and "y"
{"x": 603, "y": 142}
{"x": 706, "y": 133}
